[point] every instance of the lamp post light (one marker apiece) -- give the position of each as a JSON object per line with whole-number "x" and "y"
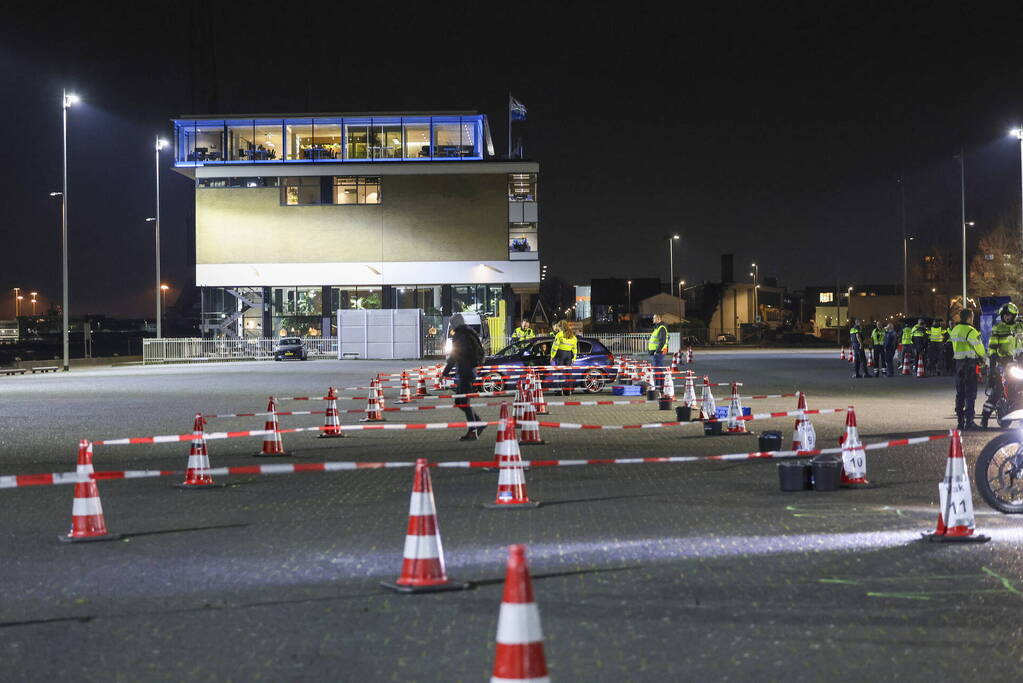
{"x": 163, "y": 297}
{"x": 756, "y": 285}
{"x": 17, "y": 297}
{"x": 67, "y": 101}
{"x": 671, "y": 258}
{"x": 34, "y": 295}
{"x": 1018, "y": 134}
{"x": 160, "y": 144}
{"x": 629, "y": 308}
{"x": 17, "y": 305}
{"x": 905, "y": 272}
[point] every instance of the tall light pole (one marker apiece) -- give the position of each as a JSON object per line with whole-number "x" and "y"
{"x": 163, "y": 297}
{"x": 756, "y": 285}
{"x": 962, "y": 207}
{"x": 629, "y": 309}
{"x": 905, "y": 272}
{"x": 160, "y": 144}
{"x": 34, "y": 295}
{"x": 67, "y": 100}
{"x": 17, "y": 298}
{"x": 671, "y": 258}
{"x": 1018, "y": 133}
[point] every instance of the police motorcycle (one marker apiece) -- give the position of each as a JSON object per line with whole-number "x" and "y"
{"x": 999, "y": 469}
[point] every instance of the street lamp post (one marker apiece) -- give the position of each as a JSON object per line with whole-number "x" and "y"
{"x": 905, "y": 273}
{"x": 163, "y": 297}
{"x": 1018, "y": 133}
{"x": 17, "y": 298}
{"x": 68, "y": 99}
{"x": 756, "y": 285}
{"x": 160, "y": 144}
{"x": 962, "y": 207}
{"x": 34, "y": 295}
{"x": 671, "y": 257}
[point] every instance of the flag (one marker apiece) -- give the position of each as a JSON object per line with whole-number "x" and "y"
{"x": 517, "y": 109}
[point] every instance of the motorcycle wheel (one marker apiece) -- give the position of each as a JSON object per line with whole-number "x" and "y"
{"x": 999, "y": 473}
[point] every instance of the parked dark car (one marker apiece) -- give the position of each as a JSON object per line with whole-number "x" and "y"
{"x": 290, "y": 348}
{"x": 537, "y": 351}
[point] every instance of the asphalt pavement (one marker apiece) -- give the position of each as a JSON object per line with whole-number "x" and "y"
{"x": 652, "y": 572}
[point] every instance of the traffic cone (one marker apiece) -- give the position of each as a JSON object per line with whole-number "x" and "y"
{"x": 667, "y": 390}
{"x": 437, "y": 386}
{"x": 197, "y": 474}
{"x": 651, "y": 382}
{"x": 332, "y": 421}
{"x": 529, "y": 425}
{"x": 689, "y": 355}
{"x": 273, "y": 444}
{"x": 374, "y": 403}
{"x": 422, "y": 566}
{"x": 870, "y": 360}
{"x": 708, "y": 407}
{"x": 519, "y": 655}
{"x": 842, "y": 355}
{"x": 522, "y": 397}
{"x": 538, "y": 398}
{"x": 955, "y": 513}
{"x": 734, "y": 426}
{"x": 675, "y": 359}
{"x": 907, "y": 367}
{"x": 421, "y": 384}
{"x": 405, "y": 394}
{"x": 511, "y": 483}
{"x": 854, "y": 458}
{"x": 804, "y": 437}
{"x": 689, "y": 391}
{"x": 87, "y": 521}
{"x": 921, "y": 370}
{"x": 852, "y": 355}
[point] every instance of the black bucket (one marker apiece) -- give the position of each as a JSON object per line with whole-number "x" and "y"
{"x": 652, "y": 394}
{"x": 827, "y": 475}
{"x": 664, "y": 403}
{"x": 769, "y": 441}
{"x": 683, "y": 413}
{"x": 794, "y": 476}
{"x": 711, "y": 428}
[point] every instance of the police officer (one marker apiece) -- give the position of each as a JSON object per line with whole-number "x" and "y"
{"x": 523, "y": 331}
{"x": 920, "y": 341}
{"x": 564, "y": 349}
{"x": 1001, "y": 347}
{"x": 968, "y": 353}
{"x": 657, "y": 345}
{"x": 906, "y": 343}
{"x": 856, "y": 347}
{"x": 877, "y": 348}
{"x": 935, "y": 341}
{"x": 891, "y": 342}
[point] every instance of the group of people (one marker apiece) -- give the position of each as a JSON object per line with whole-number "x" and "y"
{"x": 945, "y": 350}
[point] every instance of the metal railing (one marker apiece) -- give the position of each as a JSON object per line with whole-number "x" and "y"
{"x": 630, "y": 343}
{"x": 197, "y": 351}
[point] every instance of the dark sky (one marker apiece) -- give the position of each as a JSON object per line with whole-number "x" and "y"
{"x": 772, "y": 130}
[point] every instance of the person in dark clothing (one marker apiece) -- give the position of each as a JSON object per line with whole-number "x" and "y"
{"x": 856, "y": 347}
{"x": 891, "y": 343}
{"x": 466, "y": 354}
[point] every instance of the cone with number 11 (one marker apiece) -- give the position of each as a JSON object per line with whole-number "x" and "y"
{"x": 955, "y": 513}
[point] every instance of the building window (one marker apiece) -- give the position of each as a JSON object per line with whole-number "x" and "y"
{"x": 485, "y": 299}
{"x": 417, "y": 138}
{"x": 356, "y": 190}
{"x": 357, "y": 139}
{"x": 258, "y": 181}
{"x": 827, "y": 297}
{"x": 522, "y": 187}
{"x": 363, "y": 298}
{"x": 385, "y": 142}
{"x": 301, "y": 191}
{"x": 522, "y": 242}
{"x": 209, "y": 142}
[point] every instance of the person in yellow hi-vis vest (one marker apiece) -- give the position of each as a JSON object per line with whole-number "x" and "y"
{"x": 657, "y": 345}
{"x": 564, "y": 350}
{"x": 968, "y": 352}
{"x": 523, "y": 331}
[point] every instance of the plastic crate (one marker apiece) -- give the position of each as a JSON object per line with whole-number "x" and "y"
{"x": 627, "y": 390}
{"x": 722, "y": 412}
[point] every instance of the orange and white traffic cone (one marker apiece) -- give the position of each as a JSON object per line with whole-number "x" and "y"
{"x": 529, "y": 425}
{"x": 519, "y": 656}
{"x": 842, "y": 355}
{"x": 804, "y": 437}
{"x": 906, "y": 366}
{"x": 689, "y": 391}
{"x": 852, "y": 355}
{"x": 921, "y": 369}
{"x": 421, "y": 384}
{"x": 854, "y": 458}
{"x": 273, "y": 444}
{"x": 87, "y": 521}
{"x": 538, "y": 398}
{"x": 667, "y": 397}
{"x": 675, "y": 359}
{"x": 689, "y": 355}
{"x": 197, "y": 474}
{"x": 955, "y": 516}
{"x": 511, "y": 483}
{"x": 405, "y": 394}
{"x": 332, "y": 421}
{"x": 374, "y": 403}
{"x": 733, "y": 425}
{"x": 708, "y": 406}
{"x": 422, "y": 566}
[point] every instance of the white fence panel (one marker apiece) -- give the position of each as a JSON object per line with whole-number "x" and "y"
{"x": 633, "y": 343}
{"x": 380, "y": 334}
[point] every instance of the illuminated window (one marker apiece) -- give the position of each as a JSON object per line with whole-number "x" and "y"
{"x": 827, "y": 297}
{"x": 356, "y": 190}
{"x": 301, "y": 191}
{"x": 522, "y": 187}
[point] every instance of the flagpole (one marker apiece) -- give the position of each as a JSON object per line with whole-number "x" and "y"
{"x": 509, "y": 123}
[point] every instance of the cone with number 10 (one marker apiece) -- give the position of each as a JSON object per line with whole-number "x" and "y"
{"x": 854, "y": 457}
{"x": 87, "y": 521}
{"x": 273, "y": 444}
{"x": 955, "y": 514}
{"x": 519, "y": 656}
{"x": 422, "y": 566}
{"x": 511, "y": 483}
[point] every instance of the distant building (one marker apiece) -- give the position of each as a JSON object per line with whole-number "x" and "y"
{"x": 727, "y": 307}
{"x": 865, "y": 302}
{"x": 671, "y": 308}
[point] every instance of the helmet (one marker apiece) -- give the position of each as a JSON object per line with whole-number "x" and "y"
{"x": 1010, "y": 308}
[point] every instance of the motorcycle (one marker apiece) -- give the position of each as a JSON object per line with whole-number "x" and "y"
{"x": 999, "y": 471}
{"x": 1008, "y": 408}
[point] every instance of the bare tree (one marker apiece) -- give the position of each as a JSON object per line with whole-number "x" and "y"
{"x": 995, "y": 268}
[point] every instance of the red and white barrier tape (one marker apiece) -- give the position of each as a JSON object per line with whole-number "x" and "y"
{"x": 55, "y": 478}
{"x": 443, "y": 406}
{"x": 657, "y": 425}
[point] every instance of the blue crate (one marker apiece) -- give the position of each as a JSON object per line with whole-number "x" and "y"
{"x": 722, "y": 412}
{"x": 627, "y": 390}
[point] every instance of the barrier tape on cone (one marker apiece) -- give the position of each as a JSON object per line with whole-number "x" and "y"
{"x": 655, "y": 425}
{"x": 174, "y": 438}
{"x": 57, "y": 478}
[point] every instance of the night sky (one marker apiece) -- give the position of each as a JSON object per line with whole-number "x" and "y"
{"x": 776, "y": 131}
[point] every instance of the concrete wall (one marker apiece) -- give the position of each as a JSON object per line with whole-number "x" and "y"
{"x": 456, "y": 217}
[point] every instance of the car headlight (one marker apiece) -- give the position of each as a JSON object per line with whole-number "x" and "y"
{"x": 1015, "y": 372}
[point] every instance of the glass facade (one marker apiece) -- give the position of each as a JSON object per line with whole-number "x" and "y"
{"x": 296, "y": 311}
{"x": 523, "y": 244}
{"x": 476, "y": 299}
{"x": 328, "y": 139}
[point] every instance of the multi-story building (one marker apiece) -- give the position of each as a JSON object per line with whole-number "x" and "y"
{"x": 297, "y": 216}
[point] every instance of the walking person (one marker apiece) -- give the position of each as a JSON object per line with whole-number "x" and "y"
{"x": 564, "y": 350}
{"x": 877, "y": 348}
{"x": 466, "y": 354}
{"x": 891, "y": 343}
{"x": 856, "y": 346}
{"x": 968, "y": 352}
